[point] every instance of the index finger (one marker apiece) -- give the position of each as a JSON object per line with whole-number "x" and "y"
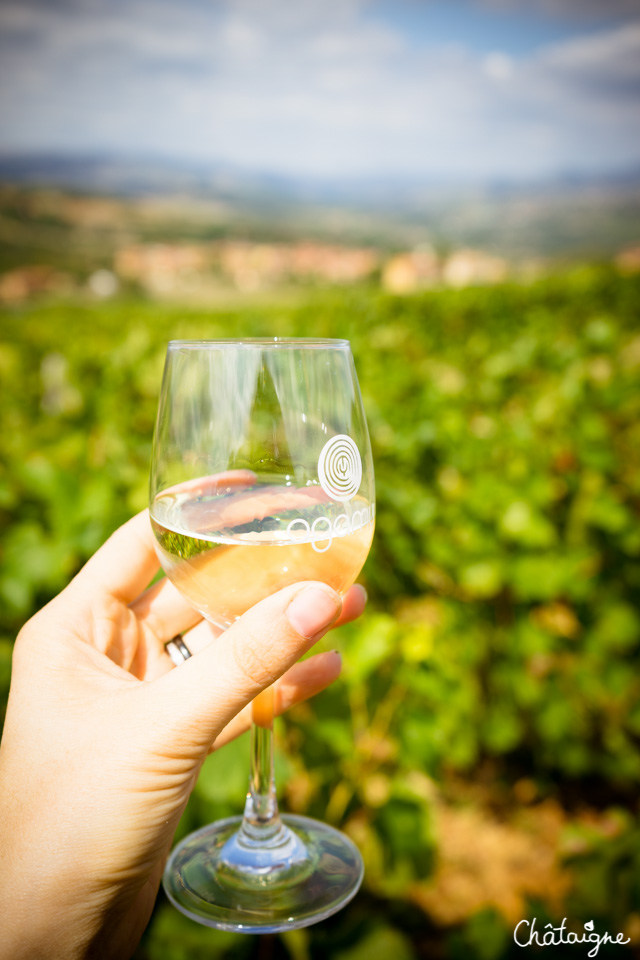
{"x": 124, "y": 565}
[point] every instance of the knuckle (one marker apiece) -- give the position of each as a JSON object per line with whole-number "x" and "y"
{"x": 251, "y": 659}
{"x": 23, "y": 643}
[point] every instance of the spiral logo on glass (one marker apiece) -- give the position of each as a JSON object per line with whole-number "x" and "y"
{"x": 340, "y": 468}
{"x": 340, "y": 475}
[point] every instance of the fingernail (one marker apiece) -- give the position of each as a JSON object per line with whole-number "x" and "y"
{"x": 313, "y": 609}
{"x": 364, "y": 591}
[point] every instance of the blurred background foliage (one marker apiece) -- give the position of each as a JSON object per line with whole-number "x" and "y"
{"x": 483, "y": 745}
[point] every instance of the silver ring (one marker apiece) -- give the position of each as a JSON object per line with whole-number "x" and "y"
{"x": 178, "y": 650}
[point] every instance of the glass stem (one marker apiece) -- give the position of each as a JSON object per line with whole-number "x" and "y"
{"x": 261, "y": 820}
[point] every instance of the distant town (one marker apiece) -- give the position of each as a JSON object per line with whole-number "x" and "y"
{"x": 59, "y": 242}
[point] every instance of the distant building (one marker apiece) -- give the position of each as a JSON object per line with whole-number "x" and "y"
{"x": 467, "y": 267}
{"x": 251, "y": 266}
{"x": 407, "y": 272}
{"x": 332, "y": 263}
{"x": 26, "y": 282}
{"x": 254, "y": 265}
{"x": 160, "y": 267}
{"x": 628, "y": 260}
{"x": 103, "y": 284}
{"x": 166, "y": 268}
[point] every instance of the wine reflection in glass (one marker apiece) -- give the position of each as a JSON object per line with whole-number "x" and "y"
{"x": 261, "y": 477}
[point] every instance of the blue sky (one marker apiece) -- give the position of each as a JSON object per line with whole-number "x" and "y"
{"x": 518, "y": 28}
{"x": 449, "y": 89}
{"x": 477, "y": 27}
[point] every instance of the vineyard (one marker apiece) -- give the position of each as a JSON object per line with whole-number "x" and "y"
{"x": 482, "y": 746}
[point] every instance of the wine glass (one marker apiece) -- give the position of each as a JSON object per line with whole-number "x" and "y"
{"x": 261, "y": 477}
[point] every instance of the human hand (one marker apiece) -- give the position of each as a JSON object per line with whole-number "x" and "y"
{"x": 104, "y": 739}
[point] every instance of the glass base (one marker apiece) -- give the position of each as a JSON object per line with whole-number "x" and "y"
{"x": 223, "y": 878}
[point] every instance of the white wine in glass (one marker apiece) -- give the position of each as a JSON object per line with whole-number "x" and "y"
{"x": 261, "y": 477}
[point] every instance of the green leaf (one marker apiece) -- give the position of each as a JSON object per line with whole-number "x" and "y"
{"x": 482, "y": 579}
{"x": 381, "y": 943}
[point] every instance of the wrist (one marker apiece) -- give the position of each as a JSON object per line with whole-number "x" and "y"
{"x": 40, "y": 920}
{"x": 44, "y": 914}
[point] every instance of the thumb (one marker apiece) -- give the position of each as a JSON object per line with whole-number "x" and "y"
{"x": 192, "y": 703}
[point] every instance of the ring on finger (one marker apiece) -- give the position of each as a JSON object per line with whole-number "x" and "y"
{"x": 177, "y": 650}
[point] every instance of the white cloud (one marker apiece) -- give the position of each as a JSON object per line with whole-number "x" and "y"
{"x": 608, "y": 56}
{"x": 498, "y": 66}
{"x": 309, "y": 87}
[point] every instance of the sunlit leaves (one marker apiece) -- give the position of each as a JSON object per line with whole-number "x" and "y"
{"x": 504, "y": 575}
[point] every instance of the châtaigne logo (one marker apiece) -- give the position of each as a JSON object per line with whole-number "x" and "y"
{"x": 340, "y": 468}
{"x": 526, "y": 935}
